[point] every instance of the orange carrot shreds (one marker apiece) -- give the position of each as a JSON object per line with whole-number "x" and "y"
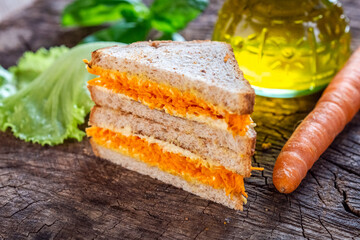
{"x": 151, "y": 153}
{"x": 238, "y": 124}
{"x": 163, "y": 97}
{"x": 336, "y": 107}
{"x": 257, "y": 168}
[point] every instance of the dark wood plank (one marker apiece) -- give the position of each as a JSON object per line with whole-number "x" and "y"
{"x": 65, "y": 192}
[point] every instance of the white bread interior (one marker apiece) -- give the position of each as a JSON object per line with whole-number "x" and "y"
{"x": 199, "y": 189}
{"x": 207, "y": 69}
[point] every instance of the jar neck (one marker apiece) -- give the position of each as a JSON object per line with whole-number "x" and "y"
{"x": 285, "y": 8}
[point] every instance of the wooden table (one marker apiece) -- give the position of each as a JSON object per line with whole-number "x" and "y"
{"x": 65, "y": 192}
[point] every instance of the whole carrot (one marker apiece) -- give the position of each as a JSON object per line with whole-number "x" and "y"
{"x": 336, "y": 107}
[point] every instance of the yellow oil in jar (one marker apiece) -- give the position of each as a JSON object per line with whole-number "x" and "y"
{"x": 285, "y": 48}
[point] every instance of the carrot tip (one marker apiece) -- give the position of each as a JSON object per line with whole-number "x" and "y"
{"x": 285, "y": 187}
{"x": 281, "y": 190}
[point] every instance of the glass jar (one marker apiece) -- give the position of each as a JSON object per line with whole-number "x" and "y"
{"x": 285, "y": 48}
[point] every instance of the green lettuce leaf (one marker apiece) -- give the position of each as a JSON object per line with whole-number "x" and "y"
{"x": 50, "y": 108}
{"x": 173, "y": 15}
{"x": 32, "y": 64}
{"x": 123, "y": 31}
{"x": 96, "y": 12}
{"x": 7, "y": 83}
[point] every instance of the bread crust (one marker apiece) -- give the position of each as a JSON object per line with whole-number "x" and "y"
{"x": 202, "y": 190}
{"x": 195, "y": 66}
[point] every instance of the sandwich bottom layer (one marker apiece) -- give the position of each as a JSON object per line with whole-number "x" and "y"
{"x": 222, "y": 185}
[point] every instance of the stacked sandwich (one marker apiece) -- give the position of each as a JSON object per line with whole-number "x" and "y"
{"x": 176, "y": 111}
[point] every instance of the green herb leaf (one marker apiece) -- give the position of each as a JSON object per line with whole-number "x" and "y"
{"x": 173, "y": 15}
{"x": 123, "y": 31}
{"x": 7, "y": 83}
{"x": 32, "y": 64}
{"x": 49, "y": 109}
{"x": 97, "y": 12}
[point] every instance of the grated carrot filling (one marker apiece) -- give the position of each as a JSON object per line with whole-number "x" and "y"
{"x": 257, "y": 168}
{"x": 161, "y": 96}
{"x": 151, "y": 153}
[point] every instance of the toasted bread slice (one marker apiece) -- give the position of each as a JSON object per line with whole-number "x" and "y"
{"x": 204, "y": 68}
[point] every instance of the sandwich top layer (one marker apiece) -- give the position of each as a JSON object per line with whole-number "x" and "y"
{"x": 164, "y": 97}
{"x": 208, "y": 69}
{"x": 177, "y": 163}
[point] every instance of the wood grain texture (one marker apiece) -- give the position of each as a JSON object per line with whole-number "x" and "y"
{"x": 65, "y": 192}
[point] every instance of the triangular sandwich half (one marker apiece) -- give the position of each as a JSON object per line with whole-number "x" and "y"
{"x": 176, "y": 111}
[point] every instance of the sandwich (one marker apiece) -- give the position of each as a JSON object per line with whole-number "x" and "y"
{"x": 175, "y": 111}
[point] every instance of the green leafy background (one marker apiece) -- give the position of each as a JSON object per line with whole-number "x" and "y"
{"x": 49, "y": 108}
{"x": 131, "y": 20}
